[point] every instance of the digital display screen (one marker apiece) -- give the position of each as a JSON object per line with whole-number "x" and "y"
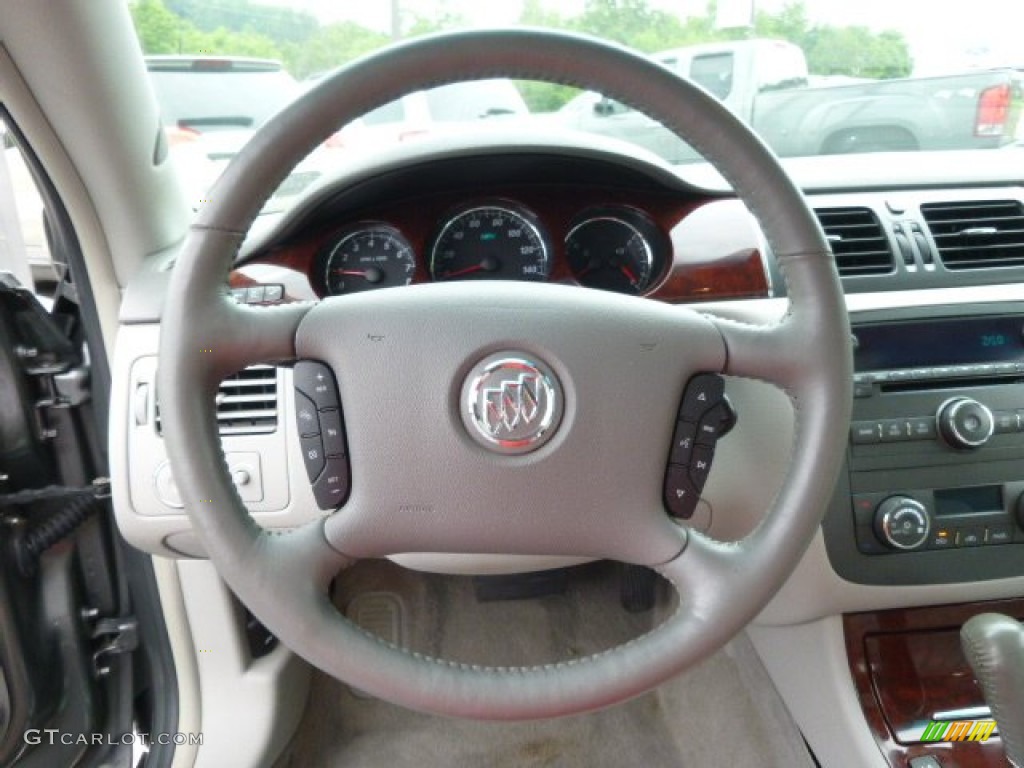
{"x": 964, "y": 501}
{"x": 923, "y": 344}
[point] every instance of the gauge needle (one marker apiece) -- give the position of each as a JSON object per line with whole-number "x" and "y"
{"x": 371, "y": 274}
{"x": 593, "y": 264}
{"x": 466, "y": 271}
{"x": 628, "y": 273}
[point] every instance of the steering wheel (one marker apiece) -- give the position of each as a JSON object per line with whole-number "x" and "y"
{"x": 403, "y": 357}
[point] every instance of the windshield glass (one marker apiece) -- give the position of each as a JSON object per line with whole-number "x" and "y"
{"x": 218, "y": 93}
{"x": 811, "y": 77}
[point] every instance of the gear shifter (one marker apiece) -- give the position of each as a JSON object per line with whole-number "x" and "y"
{"x": 994, "y": 646}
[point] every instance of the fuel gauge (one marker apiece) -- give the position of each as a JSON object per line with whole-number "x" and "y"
{"x": 613, "y": 250}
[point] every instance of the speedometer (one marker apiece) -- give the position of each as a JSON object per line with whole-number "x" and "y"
{"x": 490, "y": 242}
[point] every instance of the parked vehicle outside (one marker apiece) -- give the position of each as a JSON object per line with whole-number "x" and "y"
{"x": 218, "y": 100}
{"x": 447, "y": 108}
{"x": 766, "y": 82}
{"x": 211, "y": 105}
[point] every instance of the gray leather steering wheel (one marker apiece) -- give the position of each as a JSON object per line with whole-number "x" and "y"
{"x": 420, "y": 484}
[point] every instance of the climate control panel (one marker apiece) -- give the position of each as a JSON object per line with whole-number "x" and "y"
{"x": 937, "y": 519}
{"x": 902, "y": 523}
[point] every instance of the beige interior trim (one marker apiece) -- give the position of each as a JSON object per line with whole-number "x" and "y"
{"x": 179, "y": 634}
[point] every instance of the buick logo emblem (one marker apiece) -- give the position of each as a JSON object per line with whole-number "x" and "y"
{"x": 511, "y": 404}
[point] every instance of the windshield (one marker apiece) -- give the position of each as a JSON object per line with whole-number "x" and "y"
{"x": 811, "y": 77}
{"x": 218, "y": 93}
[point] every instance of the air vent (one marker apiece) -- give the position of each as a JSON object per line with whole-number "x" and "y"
{"x": 978, "y": 234}
{"x": 857, "y": 240}
{"x": 246, "y": 402}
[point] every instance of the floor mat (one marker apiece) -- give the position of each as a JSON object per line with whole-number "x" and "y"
{"x": 723, "y": 713}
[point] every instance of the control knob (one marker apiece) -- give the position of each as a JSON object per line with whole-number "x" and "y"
{"x": 965, "y": 423}
{"x": 902, "y": 523}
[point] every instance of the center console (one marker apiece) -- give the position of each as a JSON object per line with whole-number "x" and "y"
{"x": 932, "y": 493}
{"x": 934, "y": 488}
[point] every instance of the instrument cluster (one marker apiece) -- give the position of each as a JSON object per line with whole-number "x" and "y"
{"x": 611, "y": 247}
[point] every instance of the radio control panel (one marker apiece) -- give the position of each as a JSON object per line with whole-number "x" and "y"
{"x": 868, "y": 384}
{"x": 934, "y": 488}
{"x": 960, "y": 422}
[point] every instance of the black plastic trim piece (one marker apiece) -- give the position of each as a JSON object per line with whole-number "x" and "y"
{"x": 64, "y": 240}
{"x": 134, "y": 568}
{"x": 916, "y": 266}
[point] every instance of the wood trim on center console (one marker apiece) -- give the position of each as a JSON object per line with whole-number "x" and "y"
{"x": 907, "y": 665}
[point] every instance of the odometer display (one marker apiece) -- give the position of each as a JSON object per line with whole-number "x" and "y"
{"x": 490, "y": 242}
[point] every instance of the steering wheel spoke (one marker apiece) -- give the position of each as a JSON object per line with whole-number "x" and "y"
{"x": 707, "y": 569}
{"x": 294, "y": 561}
{"x": 786, "y": 351}
{"x": 772, "y": 353}
{"x": 236, "y": 335}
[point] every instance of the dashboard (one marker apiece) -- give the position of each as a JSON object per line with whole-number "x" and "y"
{"x": 573, "y": 223}
{"x": 929, "y": 509}
{"x": 611, "y": 246}
{"x": 914, "y": 260}
{"x": 600, "y": 224}
{"x": 607, "y": 221}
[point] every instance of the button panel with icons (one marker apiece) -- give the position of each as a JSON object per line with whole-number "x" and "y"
{"x": 924, "y": 520}
{"x": 321, "y": 426}
{"x": 960, "y": 423}
{"x": 705, "y": 415}
{"x": 259, "y": 294}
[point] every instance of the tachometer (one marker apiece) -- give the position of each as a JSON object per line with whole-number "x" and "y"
{"x": 490, "y": 242}
{"x": 373, "y": 256}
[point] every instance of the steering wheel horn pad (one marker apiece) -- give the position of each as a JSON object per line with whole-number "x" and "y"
{"x": 425, "y": 485}
{"x": 421, "y": 483}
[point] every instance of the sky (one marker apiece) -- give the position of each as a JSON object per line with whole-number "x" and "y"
{"x": 944, "y": 35}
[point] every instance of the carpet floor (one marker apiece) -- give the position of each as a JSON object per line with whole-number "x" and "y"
{"x": 723, "y": 713}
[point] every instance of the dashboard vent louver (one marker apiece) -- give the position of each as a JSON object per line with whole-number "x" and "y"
{"x": 246, "y": 402}
{"x": 857, "y": 240}
{"x": 977, "y": 234}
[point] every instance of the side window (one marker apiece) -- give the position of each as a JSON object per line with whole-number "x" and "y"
{"x": 23, "y": 245}
{"x": 781, "y": 67}
{"x": 713, "y": 71}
